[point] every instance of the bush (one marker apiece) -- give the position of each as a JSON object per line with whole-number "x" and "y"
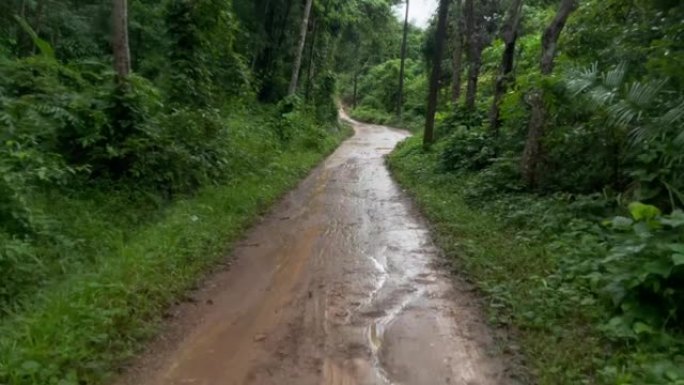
{"x": 370, "y": 115}
{"x": 643, "y": 273}
{"x": 181, "y": 151}
{"x": 464, "y": 150}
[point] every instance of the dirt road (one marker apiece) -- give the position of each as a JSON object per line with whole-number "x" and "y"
{"x": 338, "y": 285}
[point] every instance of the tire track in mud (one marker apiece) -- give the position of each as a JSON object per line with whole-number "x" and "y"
{"x": 339, "y": 285}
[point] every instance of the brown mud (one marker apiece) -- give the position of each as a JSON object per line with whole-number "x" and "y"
{"x": 339, "y": 285}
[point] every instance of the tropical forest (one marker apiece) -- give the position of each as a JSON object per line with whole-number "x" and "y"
{"x": 342, "y": 192}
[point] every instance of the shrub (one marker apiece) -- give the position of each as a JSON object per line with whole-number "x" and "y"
{"x": 467, "y": 150}
{"x": 643, "y": 273}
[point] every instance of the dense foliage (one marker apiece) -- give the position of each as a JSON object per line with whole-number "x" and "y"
{"x": 193, "y": 126}
{"x": 578, "y": 152}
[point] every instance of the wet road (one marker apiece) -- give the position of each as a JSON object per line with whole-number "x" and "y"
{"x": 339, "y": 285}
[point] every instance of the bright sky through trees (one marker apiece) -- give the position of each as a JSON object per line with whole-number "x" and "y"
{"x": 420, "y": 12}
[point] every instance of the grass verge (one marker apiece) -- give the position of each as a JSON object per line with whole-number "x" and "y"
{"x": 76, "y": 330}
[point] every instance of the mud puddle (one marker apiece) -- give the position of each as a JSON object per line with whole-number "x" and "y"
{"x": 338, "y": 285}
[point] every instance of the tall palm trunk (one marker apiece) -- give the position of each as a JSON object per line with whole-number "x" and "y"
{"x": 429, "y": 135}
{"x": 122, "y": 54}
{"x": 300, "y": 49}
{"x": 510, "y": 35}
{"x": 400, "y": 100}
{"x": 531, "y": 157}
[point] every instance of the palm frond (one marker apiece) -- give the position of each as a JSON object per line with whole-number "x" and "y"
{"x": 674, "y": 114}
{"x": 601, "y": 95}
{"x": 623, "y": 113}
{"x": 579, "y": 80}
{"x": 615, "y": 77}
{"x": 644, "y": 94}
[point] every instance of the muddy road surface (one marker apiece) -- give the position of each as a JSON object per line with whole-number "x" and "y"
{"x": 339, "y": 285}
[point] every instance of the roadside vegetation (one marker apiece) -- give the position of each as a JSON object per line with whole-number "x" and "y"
{"x": 554, "y": 177}
{"x": 139, "y": 139}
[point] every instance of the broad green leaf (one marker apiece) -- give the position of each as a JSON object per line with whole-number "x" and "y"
{"x": 659, "y": 267}
{"x": 642, "y": 328}
{"x": 676, "y": 247}
{"x": 678, "y": 259}
{"x": 675, "y": 219}
{"x": 642, "y": 211}
{"x": 30, "y": 366}
{"x": 621, "y": 223}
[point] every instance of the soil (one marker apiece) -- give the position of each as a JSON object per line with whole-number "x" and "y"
{"x": 340, "y": 284}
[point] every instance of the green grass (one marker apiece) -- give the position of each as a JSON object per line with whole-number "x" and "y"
{"x": 556, "y": 338}
{"x": 409, "y": 122}
{"x": 135, "y": 257}
{"x": 536, "y": 259}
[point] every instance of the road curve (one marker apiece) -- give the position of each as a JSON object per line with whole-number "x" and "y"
{"x": 339, "y": 285}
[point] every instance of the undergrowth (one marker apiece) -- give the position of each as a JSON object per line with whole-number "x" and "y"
{"x": 114, "y": 257}
{"x": 579, "y": 280}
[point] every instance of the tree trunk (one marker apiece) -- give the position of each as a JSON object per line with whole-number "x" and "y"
{"x": 473, "y": 73}
{"x": 122, "y": 55}
{"x": 310, "y": 69}
{"x": 510, "y": 35}
{"x": 24, "y": 45}
{"x": 532, "y": 154}
{"x": 551, "y": 34}
{"x": 475, "y": 47}
{"x": 533, "y": 145}
{"x": 456, "y": 64}
{"x": 356, "y": 82}
{"x": 400, "y": 101}
{"x": 429, "y": 135}
{"x": 300, "y": 49}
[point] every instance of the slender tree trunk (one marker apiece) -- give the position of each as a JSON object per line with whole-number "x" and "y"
{"x": 400, "y": 100}
{"x": 551, "y": 34}
{"x": 24, "y": 45}
{"x": 475, "y": 47}
{"x": 456, "y": 64}
{"x": 429, "y": 135}
{"x": 310, "y": 66}
{"x": 532, "y": 154}
{"x": 122, "y": 55}
{"x": 473, "y": 73}
{"x": 356, "y": 82}
{"x": 456, "y": 51}
{"x": 38, "y": 23}
{"x": 510, "y": 35}
{"x": 300, "y": 49}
